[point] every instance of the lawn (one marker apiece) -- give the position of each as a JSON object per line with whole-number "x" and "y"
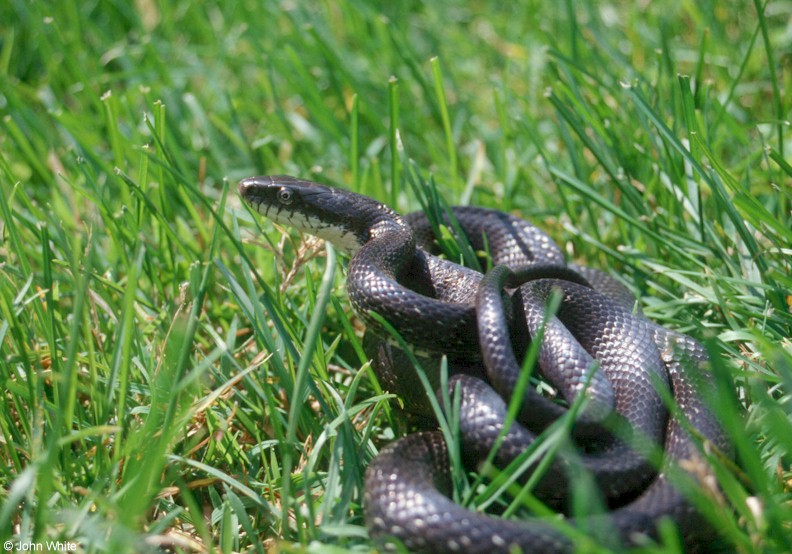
{"x": 178, "y": 374}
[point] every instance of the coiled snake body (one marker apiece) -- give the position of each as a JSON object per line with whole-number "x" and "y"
{"x": 594, "y": 346}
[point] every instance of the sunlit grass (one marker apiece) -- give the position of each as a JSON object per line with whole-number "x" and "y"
{"x": 178, "y": 373}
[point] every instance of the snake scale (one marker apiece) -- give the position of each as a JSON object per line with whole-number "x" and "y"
{"x": 595, "y": 345}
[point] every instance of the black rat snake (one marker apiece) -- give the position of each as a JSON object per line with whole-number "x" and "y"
{"x": 595, "y": 345}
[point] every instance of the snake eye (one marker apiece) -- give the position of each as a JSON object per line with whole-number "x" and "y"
{"x": 285, "y": 196}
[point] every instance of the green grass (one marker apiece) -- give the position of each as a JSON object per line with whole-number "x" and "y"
{"x": 169, "y": 380}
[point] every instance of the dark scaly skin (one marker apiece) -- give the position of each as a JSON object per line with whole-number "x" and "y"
{"x": 385, "y": 267}
{"x": 511, "y": 241}
{"x": 407, "y": 484}
{"x": 588, "y": 326}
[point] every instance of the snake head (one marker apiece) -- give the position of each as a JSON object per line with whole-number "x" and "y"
{"x": 271, "y": 195}
{"x": 331, "y": 214}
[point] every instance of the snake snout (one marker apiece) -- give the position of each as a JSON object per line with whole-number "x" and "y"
{"x": 249, "y": 186}
{"x": 244, "y": 186}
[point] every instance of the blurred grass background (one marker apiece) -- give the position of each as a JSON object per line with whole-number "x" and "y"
{"x": 164, "y": 382}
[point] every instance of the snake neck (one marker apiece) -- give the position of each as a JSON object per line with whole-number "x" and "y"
{"x": 362, "y": 222}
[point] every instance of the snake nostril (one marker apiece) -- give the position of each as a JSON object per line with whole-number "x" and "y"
{"x": 248, "y": 186}
{"x": 243, "y": 187}
{"x": 251, "y": 187}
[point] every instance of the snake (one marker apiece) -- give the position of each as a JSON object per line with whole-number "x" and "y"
{"x": 606, "y": 365}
